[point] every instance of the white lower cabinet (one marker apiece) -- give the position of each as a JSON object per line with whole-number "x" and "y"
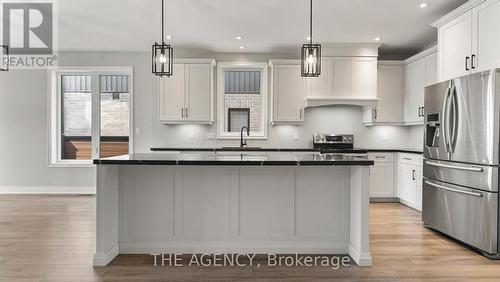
{"x": 396, "y": 176}
{"x": 381, "y": 180}
{"x": 382, "y": 176}
{"x": 410, "y": 180}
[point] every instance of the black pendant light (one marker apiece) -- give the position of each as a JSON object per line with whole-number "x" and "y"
{"x": 163, "y": 54}
{"x": 4, "y": 63}
{"x": 311, "y": 53}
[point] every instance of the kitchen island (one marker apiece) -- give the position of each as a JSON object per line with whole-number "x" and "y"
{"x": 273, "y": 202}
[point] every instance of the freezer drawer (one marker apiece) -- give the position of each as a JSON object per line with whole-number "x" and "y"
{"x": 474, "y": 176}
{"x": 465, "y": 214}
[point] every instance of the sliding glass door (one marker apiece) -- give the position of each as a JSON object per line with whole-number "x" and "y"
{"x": 93, "y": 115}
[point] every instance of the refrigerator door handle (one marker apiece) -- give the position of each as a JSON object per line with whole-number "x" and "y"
{"x": 445, "y": 119}
{"x": 472, "y": 168}
{"x": 454, "y": 119}
{"x": 454, "y": 190}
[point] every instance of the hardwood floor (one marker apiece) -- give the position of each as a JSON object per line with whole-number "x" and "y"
{"x": 51, "y": 238}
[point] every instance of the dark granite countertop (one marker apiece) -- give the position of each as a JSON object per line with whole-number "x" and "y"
{"x": 245, "y": 159}
{"x": 410, "y": 151}
{"x": 258, "y": 149}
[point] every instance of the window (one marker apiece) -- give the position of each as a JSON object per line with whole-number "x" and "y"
{"x": 238, "y": 118}
{"x": 242, "y": 99}
{"x": 90, "y": 115}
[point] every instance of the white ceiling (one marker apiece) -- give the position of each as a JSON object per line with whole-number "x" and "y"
{"x": 266, "y": 25}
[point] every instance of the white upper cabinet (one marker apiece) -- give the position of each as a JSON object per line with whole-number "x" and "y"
{"x": 468, "y": 39}
{"x": 364, "y": 78}
{"x": 287, "y": 92}
{"x": 414, "y": 94}
{"x": 322, "y": 86}
{"x": 171, "y": 95}
{"x": 390, "y": 94}
{"x": 343, "y": 80}
{"x": 454, "y": 39}
{"x": 420, "y": 71}
{"x": 485, "y": 36}
{"x": 431, "y": 76}
{"x": 198, "y": 92}
{"x": 187, "y": 96}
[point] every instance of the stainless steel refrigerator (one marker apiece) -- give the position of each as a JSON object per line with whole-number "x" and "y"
{"x": 461, "y": 159}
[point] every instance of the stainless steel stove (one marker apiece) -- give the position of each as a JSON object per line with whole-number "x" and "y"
{"x": 336, "y": 144}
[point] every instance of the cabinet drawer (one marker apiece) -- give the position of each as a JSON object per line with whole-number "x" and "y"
{"x": 381, "y": 157}
{"x": 413, "y": 159}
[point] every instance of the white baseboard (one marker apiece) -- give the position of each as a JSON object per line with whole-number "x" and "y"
{"x": 104, "y": 258}
{"x": 90, "y": 190}
{"x": 362, "y": 259}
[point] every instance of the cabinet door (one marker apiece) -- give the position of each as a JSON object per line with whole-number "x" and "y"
{"x": 389, "y": 93}
{"x": 342, "y": 78}
{"x": 381, "y": 180}
{"x": 364, "y": 78}
{"x": 454, "y": 47}
{"x": 198, "y": 92}
{"x": 431, "y": 69}
{"x": 407, "y": 188}
{"x": 414, "y": 91}
{"x": 288, "y": 96}
{"x": 418, "y": 187}
{"x": 171, "y": 94}
{"x": 485, "y": 35}
{"x": 321, "y": 87}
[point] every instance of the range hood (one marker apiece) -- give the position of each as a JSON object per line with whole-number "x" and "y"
{"x": 351, "y": 101}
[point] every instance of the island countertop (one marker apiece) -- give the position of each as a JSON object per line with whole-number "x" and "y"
{"x": 245, "y": 159}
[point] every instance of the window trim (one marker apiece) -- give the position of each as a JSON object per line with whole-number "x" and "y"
{"x": 223, "y": 66}
{"x": 54, "y": 113}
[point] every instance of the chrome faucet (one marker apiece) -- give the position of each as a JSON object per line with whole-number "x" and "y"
{"x": 243, "y": 142}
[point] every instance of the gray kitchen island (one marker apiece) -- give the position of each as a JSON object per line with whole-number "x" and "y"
{"x": 277, "y": 202}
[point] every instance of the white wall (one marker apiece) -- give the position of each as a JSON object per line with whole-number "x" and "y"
{"x": 24, "y": 128}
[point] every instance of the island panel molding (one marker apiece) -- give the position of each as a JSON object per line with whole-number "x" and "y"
{"x": 145, "y": 209}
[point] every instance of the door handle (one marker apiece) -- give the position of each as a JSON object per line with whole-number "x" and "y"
{"x": 454, "y": 190}
{"x": 186, "y": 112}
{"x": 467, "y": 63}
{"x": 472, "y": 62}
{"x": 375, "y": 111}
{"x": 182, "y": 112}
{"x": 445, "y": 119}
{"x": 471, "y": 168}
{"x": 454, "y": 130}
{"x": 301, "y": 113}
{"x": 413, "y": 175}
{"x": 419, "y": 115}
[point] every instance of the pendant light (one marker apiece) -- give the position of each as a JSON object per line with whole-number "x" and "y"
{"x": 311, "y": 53}
{"x": 4, "y": 63}
{"x": 163, "y": 54}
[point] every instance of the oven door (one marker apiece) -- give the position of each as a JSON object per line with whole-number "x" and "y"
{"x": 465, "y": 214}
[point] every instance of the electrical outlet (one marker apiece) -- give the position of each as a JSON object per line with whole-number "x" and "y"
{"x": 211, "y": 136}
{"x": 191, "y": 136}
{"x": 296, "y": 136}
{"x": 137, "y": 131}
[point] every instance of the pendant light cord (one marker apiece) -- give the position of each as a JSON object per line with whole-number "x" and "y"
{"x": 163, "y": 23}
{"x": 311, "y": 22}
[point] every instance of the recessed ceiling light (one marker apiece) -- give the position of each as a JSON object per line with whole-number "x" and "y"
{"x": 423, "y": 5}
{"x": 242, "y": 47}
{"x": 377, "y": 39}
{"x": 239, "y": 37}
{"x": 169, "y": 37}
